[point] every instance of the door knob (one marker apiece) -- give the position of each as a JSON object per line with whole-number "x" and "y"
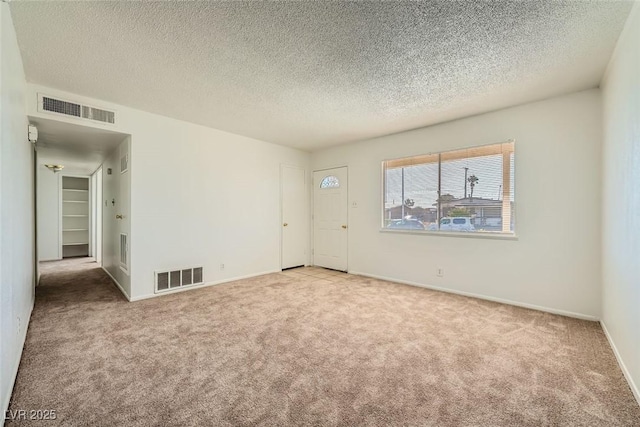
{"x": 344, "y": 226}
{"x": 285, "y": 224}
{"x": 118, "y": 216}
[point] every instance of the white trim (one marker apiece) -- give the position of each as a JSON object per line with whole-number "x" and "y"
{"x": 623, "y": 35}
{"x": 468, "y": 234}
{"x": 61, "y": 215}
{"x": 484, "y": 297}
{"x": 5, "y": 404}
{"x": 623, "y": 367}
{"x": 281, "y": 222}
{"x": 92, "y": 218}
{"x": 203, "y": 285}
{"x": 126, "y": 295}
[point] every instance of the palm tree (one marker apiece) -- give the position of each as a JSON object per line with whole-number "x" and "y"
{"x": 473, "y": 180}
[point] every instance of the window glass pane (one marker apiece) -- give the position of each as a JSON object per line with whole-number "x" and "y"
{"x": 472, "y": 187}
{"x": 471, "y": 190}
{"x": 410, "y": 196}
{"x": 330, "y": 182}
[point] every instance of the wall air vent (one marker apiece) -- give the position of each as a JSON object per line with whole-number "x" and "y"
{"x": 124, "y": 163}
{"x": 124, "y": 252}
{"x": 174, "y": 279}
{"x": 59, "y": 106}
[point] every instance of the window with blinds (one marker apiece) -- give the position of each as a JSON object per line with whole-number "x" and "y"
{"x": 471, "y": 190}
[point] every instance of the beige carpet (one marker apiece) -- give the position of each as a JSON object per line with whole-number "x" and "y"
{"x": 309, "y": 347}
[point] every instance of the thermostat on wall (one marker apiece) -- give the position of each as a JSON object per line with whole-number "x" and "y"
{"x": 33, "y": 134}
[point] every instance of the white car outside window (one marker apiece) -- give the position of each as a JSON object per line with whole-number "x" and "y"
{"x": 456, "y": 223}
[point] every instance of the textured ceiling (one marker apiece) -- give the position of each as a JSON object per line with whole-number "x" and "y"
{"x": 312, "y": 74}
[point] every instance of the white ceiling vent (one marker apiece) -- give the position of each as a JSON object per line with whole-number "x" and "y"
{"x": 59, "y": 106}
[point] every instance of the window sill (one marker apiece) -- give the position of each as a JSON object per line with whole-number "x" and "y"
{"x": 468, "y": 235}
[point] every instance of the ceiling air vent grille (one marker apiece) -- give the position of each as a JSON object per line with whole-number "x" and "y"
{"x": 98, "y": 114}
{"x": 174, "y": 279}
{"x": 73, "y": 109}
{"x": 61, "y": 107}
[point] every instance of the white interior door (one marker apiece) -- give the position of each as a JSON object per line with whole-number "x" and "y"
{"x": 294, "y": 216}
{"x": 330, "y": 211}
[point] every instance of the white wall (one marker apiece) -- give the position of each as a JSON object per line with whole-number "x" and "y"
{"x": 204, "y": 197}
{"x": 16, "y": 209}
{"x": 199, "y": 196}
{"x": 113, "y": 190}
{"x": 48, "y": 199}
{"x": 621, "y": 200}
{"x": 554, "y": 264}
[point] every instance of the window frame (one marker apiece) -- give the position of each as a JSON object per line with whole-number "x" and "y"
{"x": 334, "y": 180}
{"x": 482, "y": 234}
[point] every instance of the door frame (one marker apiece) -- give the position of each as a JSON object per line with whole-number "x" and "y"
{"x": 60, "y": 211}
{"x": 313, "y": 211}
{"x": 306, "y": 183}
{"x": 96, "y": 215}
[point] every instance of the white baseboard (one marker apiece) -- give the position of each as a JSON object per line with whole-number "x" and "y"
{"x": 484, "y": 297}
{"x": 126, "y": 295}
{"x": 623, "y": 367}
{"x": 14, "y": 372}
{"x": 203, "y": 285}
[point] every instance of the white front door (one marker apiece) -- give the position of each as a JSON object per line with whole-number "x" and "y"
{"x": 294, "y": 216}
{"x": 330, "y": 218}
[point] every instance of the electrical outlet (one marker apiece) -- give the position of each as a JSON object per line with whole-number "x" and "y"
{"x": 354, "y": 204}
{"x": 221, "y": 266}
{"x": 440, "y": 272}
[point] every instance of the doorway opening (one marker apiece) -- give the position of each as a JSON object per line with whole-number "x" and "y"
{"x": 82, "y": 197}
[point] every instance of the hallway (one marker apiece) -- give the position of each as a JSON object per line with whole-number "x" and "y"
{"x": 66, "y": 338}
{"x": 73, "y": 280}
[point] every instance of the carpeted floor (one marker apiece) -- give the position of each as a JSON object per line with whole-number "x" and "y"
{"x": 309, "y": 347}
